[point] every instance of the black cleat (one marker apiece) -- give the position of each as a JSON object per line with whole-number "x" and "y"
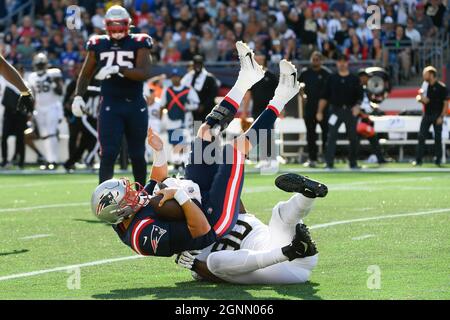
{"x": 302, "y": 245}
{"x": 291, "y": 182}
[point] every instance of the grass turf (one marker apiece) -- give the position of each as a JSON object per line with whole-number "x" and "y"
{"x": 412, "y": 252}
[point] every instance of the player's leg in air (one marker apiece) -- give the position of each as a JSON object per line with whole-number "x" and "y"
{"x": 263, "y": 254}
{"x": 219, "y": 171}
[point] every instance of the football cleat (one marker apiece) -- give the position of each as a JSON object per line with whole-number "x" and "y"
{"x": 292, "y": 182}
{"x": 251, "y": 72}
{"x": 302, "y": 245}
{"x": 288, "y": 85}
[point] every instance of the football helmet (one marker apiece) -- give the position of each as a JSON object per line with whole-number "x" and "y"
{"x": 40, "y": 62}
{"x": 117, "y": 22}
{"x": 117, "y": 199}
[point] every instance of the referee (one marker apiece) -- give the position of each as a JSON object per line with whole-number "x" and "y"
{"x": 344, "y": 93}
{"x": 436, "y": 106}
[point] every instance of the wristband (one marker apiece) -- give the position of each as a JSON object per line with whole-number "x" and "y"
{"x": 181, "y": 197}
{"x": 159, "y": 158}
{"x": 26, "y": 93}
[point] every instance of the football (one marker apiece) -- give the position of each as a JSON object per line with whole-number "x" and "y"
{"x": 170, "y": 210}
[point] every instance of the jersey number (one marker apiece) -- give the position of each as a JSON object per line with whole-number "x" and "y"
{"x": 233, "y": 240}
{"x": 42, "y": 86}
{"x": 120, "y": 58}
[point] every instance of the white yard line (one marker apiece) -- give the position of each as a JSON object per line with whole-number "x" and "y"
{"x": 36, "y": 236}
{"x": 391, "y": 216}
{"x": 317, "y": 226}
{"x": 45, "y": 206}
{"x": 65, "y": 268}
{"x": 366, "y": 236}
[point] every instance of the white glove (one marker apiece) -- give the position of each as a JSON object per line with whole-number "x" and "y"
{"x": 78, "y": 106}
{"x": 107, "y": 72}
{"x": 186, "y": 259}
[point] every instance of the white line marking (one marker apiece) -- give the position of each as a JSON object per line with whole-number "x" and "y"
{"x": 366, "y": 236}
{"x": 36, "y": 236}
{"x": 74, "y": 266}
{"x": 391, "y": 216}
{"x": 317, "y": 226}
{"x": 46, "y": 206}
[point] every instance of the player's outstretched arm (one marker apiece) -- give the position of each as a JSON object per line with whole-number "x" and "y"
{"x": 86, "y": 74}
{"x": 159, "y": 168}
{"x": 196, "y": 221}
{"x": 12, "y": 76}
{"x": 142, "y": 70}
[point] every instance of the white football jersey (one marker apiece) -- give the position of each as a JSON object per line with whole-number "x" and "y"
{"x": 248, "y": 233}
{"x": 43, "y": 85}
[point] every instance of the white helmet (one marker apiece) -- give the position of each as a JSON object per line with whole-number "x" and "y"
{"x": 40, "y": 62}
{"x": 117, "y": 22}
{"x": 116, "y": 199}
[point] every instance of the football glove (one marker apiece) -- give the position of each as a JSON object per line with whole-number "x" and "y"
{"x": 25, "y": 104}
{"x": 107, "y": 72}
{"x": 78, "y": 106}
{"x": 186, "y": 259}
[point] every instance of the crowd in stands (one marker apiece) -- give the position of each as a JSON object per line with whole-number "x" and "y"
{"x": 182, "y": 29}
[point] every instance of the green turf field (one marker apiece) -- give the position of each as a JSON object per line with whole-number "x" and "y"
{"x": 397, "y": 222}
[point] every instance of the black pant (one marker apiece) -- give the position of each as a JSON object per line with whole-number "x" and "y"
{"x": 14, "y": 124}
{"x": 87, "y": 143}
{"x": 75, "y": 129}
{"x": 375, "y": 143}
{"x": 311, "y": 135}
{"x": 427, "y": 121}
{"x": 343, "y": 116}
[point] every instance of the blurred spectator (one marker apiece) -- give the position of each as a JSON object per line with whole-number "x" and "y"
{"x": 208, "y": 45}
{"x": 423, "y": 22}
{"x": 192, "y": 51}
{"x": 97, "y": 19}
{"x": 435, "y": 9}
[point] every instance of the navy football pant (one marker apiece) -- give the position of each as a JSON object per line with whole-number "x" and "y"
{"x": 220, "y": 183}
{"x": 118, "y": 117}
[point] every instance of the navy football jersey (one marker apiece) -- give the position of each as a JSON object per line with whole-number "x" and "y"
{"x": 149, "y": 236}
{"x": 122, "y": 53}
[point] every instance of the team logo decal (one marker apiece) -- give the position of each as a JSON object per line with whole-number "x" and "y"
{"x": 155, "y": 236}
{"x": 105, "y": 201}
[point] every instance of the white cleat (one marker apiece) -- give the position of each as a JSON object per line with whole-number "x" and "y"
{"x": 288, "y": 86}
{"x": 251, "y": 72}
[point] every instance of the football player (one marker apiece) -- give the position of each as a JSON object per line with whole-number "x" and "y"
{"x": 47, "y": 86}
{"x": 124, "y": 63}
{"x": 209, "y": 197}
{"x": 254, "y": 253}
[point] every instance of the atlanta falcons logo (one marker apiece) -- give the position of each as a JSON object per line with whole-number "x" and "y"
{"x": 155, "y": 236}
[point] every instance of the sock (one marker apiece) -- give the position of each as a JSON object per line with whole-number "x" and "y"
{"x": 295, "y": 209}
{"x": 243, "y": 261}
{"x": 51, "y": 149}
{"x": 263, "y": 124}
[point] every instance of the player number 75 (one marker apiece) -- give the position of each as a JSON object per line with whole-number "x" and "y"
{"x": 120, "y": 58}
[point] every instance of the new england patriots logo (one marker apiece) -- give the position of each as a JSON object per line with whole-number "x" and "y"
{"x": 155, "y": 236}
{"x": 105, "y": 201}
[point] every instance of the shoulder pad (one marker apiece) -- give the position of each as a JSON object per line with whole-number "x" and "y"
{"x": 95, "y": 40}
{"x": 143, "y": 38}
